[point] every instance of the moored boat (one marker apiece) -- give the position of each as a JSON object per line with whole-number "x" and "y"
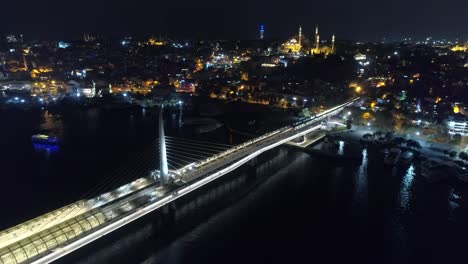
{"x": 45, "y": 139}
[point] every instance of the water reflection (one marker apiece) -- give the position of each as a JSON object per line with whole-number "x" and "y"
{"x": 454, "y": 199}
{"x": 341, "y": 147}
{"x": 45, "y": 148}
{"x": 361, "y": 180}
{"x": 52, "y": 124}
{"x": 406, "y": 184}
{"x": 180, "y": 116}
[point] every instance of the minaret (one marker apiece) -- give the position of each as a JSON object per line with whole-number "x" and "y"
{"x": 262, "y": 30}
{"x": 333, "y": 43}
{"x": 300, "y": 35}
{"x": 93, "y": 90}
{"x": 25, "y": 63}
{"x": 317, "y": 44}
{"x": 317, "y": 39}
{"x": 163, "y": 169}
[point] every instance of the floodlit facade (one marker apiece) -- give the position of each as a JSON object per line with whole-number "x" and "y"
{"x": 458, "y": 126}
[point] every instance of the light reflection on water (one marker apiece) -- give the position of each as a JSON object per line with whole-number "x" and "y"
{"x": 361, "y": 180}
{"x": 406, "y": 185}
{"x": 341, "y": 147}
{"x": 52, "y": 124}
{"x": 454, "y": 199}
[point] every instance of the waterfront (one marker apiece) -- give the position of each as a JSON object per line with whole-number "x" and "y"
{"x": 309, "y": 209}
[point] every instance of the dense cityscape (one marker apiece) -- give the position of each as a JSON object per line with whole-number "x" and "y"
{"x": 411, "y": 87}
{"x": 149, "y": 148}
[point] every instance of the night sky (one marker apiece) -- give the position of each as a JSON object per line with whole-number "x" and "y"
{"x": 240, "y": 19}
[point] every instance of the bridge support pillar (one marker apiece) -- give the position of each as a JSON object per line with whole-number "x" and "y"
{"x": 164, "y": 170}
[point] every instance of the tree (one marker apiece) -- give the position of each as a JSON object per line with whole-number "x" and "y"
{"x": 413, "y": 144}
{"x": 399, "y": 140}
{"x": 456, "y": 139}
{"x": 388, "y": 135}
{"x": 463, "y": 155}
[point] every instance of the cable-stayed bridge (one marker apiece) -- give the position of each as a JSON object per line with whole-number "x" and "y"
{"x": 185, "y": 165}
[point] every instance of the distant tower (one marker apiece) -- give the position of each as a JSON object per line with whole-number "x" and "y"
{"x": 316, "y": 30}
{"x": 163, "y": 169}
{"x": 333, "y": 43}
{"x": 300, "y": 35}
{"x": 262, "y": 31}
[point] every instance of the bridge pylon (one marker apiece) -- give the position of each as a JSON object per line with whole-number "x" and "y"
{"x": 163, "y": 169}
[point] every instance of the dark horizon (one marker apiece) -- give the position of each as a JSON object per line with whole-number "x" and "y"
{"x": 363, "y": 20}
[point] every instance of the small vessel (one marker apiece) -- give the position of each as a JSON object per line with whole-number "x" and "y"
{"x": 393, "y": 156}
{"x": 45, "y": 139}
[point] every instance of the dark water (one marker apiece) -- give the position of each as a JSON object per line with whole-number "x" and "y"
{"x": 309, "y": 210}
{"x": 96, "y": 145}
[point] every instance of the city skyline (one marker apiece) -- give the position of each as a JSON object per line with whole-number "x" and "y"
{"x": 361, "y": 20}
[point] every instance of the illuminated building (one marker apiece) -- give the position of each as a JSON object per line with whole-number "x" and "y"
{"x": 460, "y": 48}
{"x": 63, "y": 45}
{"x": 333, "y": 43}
{"x": 12, "y": 38}
{"x": 300, "y": 36}
{"x": 262, "y": 31}
{"x": 155, "y": 42}
{"x": 199, "y": 65}
{"x": 317, "y": 38}
{"x": 317, "y": 44}
{"x": 88, "y": 37}
{"x": 270, "y": 65}
{"x": 325, "y": 49}
{"x": 360, "y": 56}
{"x": 244, "y": 76}
{"x": 293, "y": 45}
{"x": 36, "y": 73}
{"x": 185, "y": 87}
{"x": 458, "y": 125}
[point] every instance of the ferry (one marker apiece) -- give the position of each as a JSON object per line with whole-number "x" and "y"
{"x": 45, "y": 139}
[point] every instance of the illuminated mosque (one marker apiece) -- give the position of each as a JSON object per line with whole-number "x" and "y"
{"x": 293, "y": 45}
{"x": 460, "y": 48}
{"x": 299, "y": 43}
